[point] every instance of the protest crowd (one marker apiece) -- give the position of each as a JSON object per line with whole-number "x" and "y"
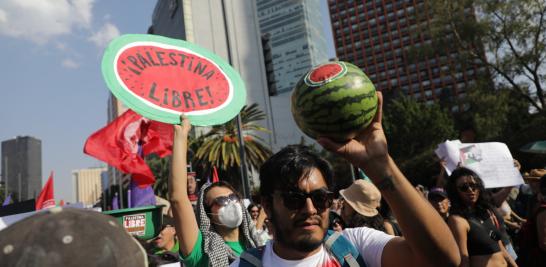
{"x": 381, "y": 220}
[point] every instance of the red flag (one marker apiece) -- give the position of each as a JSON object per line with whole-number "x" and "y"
{"x": 157, "y": 138}
{"x": 118, "y": 144}
{"x": 46, "y": 198}
{"x": 215, "y": 177}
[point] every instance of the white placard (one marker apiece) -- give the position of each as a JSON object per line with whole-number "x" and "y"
{"x": 493, "y": 161}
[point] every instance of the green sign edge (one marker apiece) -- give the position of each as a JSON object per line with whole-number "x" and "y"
{"x": 218, "y": 117}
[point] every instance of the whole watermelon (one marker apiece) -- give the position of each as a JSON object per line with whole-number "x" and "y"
{"x": 335, "y": 99}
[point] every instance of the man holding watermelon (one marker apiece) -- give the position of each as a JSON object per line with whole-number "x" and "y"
{"x": 294, "y": 190}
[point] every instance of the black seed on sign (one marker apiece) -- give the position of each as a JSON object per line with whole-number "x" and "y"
{"x": 123, "y": 61}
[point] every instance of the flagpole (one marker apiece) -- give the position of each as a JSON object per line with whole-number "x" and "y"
{"x": 242, "y": 166}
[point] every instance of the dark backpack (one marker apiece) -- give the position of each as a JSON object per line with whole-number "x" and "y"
{"x": 335, "y": 243}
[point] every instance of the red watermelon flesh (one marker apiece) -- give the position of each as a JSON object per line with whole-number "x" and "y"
{"x": 173, "y": 79}
{"x": 325, "y": 72}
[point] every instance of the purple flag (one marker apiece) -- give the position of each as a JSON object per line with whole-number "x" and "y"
{"x": 141, "y": 196}
{"x": 115, "y": 202}
{"x": 7, "y": 200}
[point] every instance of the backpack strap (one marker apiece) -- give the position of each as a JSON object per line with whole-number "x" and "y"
{"x": 252, "y": 257}
{"x": 343, "y": 250}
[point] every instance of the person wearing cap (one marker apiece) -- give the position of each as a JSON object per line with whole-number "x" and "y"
{"x": 361, "y": 201}
{"x": 166, "y": 240}
{"x": 439, "y": 200}
{"x": 69, "y": 237}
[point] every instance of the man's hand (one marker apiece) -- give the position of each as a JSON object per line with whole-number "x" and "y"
{"x": 368, "y": 150}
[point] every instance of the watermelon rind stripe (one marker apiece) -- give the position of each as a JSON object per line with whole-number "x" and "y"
{"x": 154, "y": 112}
{"x": 304, "y": 95}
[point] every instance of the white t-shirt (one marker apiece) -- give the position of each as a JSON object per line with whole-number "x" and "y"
{"x": 369, "y": 242}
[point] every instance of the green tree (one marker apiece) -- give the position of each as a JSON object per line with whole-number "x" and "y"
{"x": 505, "y": 37}
{"x": 160, "y": 169}
{"x": 494, "y": 117}
{"x": 220, "y": 146}
{"x": 413, "y": 130}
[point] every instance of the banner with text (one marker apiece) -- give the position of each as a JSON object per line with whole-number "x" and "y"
{"x": 161, "y": 78}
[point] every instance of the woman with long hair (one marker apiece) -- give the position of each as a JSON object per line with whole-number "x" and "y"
{"x": 474, "y": 221}
{"x": 220, "y": 230}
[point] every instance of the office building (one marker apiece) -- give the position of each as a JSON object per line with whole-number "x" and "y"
{"x": 295, "y": 42}
{"x": 292, "y": 31}
{"x": 377, "y": 35}
{"x": 22, "y": 167}
{"x": 296, "y": 39}
{"x": 88, "y": 184}
{"x": 114, "y": 109}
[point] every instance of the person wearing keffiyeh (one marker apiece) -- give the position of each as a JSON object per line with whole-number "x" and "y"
{"x": 220, "y": 230}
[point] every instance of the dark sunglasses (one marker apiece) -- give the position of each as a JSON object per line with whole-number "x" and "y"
{"x": 224, "y": 200}
{"x": 294, "y": 200}
{"x": 468, "y": 186}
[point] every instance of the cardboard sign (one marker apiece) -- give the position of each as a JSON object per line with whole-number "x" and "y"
{"x": 161, "y": 78}
{"x": 493, "y": 161}
{"x": 135, "y": 224}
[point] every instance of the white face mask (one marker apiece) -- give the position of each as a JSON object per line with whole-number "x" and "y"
{"x": 231, "y": 215}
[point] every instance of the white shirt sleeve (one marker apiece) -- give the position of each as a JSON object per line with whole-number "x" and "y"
{"x": 369, "y": 242}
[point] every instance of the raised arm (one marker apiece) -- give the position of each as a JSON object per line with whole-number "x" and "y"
{"x": 501, "y": 196}
{"x": 428, "y": 240}
{"x": 185, "y": 222}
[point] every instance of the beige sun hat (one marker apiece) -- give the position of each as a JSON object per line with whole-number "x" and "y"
{"x": 363, "y": 197}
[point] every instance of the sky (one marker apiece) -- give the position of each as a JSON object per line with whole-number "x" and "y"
{"x": 51, "y": 84}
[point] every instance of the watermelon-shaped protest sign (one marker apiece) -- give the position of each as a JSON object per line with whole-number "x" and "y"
{"x": 161, "y": 78}
{"x": 335, "y": 100}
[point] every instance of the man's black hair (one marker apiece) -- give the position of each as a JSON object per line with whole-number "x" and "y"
{"x": 283, "y": 170}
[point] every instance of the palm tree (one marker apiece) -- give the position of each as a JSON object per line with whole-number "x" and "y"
{"x": 220, "y": 146}
{"x": 160, "y": 169}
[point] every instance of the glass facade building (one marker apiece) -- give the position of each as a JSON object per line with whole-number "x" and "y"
{"x": 22, "y": 167}
{"x": 377, "y": 36}
{"x": 296, "y": 37}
